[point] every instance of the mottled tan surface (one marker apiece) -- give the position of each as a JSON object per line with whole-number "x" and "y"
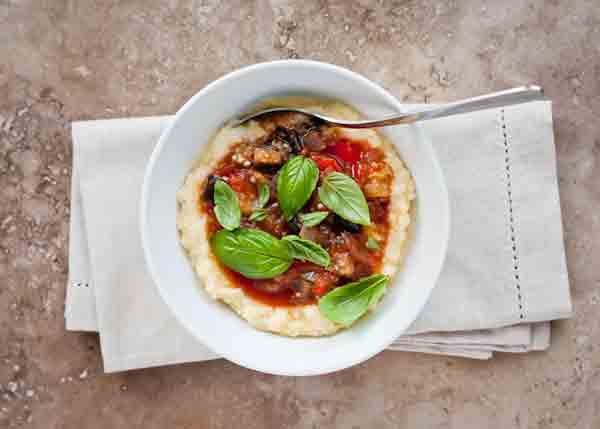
{"x": 67, "y": 60}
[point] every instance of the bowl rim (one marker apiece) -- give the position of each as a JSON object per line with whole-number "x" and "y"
{"x": 147, "y": 182}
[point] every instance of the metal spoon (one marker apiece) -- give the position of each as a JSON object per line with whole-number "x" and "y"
{"x": 522, "y": 94}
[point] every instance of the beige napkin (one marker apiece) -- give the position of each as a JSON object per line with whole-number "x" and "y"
{"x": 504, "y": 278}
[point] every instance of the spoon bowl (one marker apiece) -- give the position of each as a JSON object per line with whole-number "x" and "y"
{"x": 522, "y": 94}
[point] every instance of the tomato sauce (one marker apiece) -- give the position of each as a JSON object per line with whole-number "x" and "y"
{"x": 281, "y": 298}
{"x": 351, "y": 259}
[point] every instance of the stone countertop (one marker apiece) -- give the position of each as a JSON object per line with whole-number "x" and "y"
{"x": 69, "y": 60}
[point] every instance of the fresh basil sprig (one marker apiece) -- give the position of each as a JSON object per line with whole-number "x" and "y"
{"x": 258, "y": 215}
{"x": 253, "y": 253}
{"x": 227, "y": 206}
{"x": 348, "y": 303}
{"x": 263, "y": 195}
{"x": 306, "y": 250}
{"x": 313, "y": 219}
{"x": 341, "y": 194}
{"x": 263, "y": 198}
{"x": 296, "y": 182}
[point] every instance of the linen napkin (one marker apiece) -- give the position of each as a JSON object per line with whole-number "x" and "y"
{"x": 504, "y": 278}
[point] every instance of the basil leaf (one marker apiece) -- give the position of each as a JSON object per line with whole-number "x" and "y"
{"x": 313, "y": 219}
{"x": 296, "y": 182}
{"x": 348, "y": 303}
{"x": 227, "y": 206}
{"x": 263, "y": 195}
{"x": 258, "y": 215}
{"x": 372, "y": 244}
{"x": 306, "y": 250}
{"x": 251, "y": 252}
{"x": 342, "y": 195}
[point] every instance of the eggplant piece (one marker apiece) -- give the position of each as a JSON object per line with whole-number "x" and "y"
{"x": 267, "y": 169}
{"x": 342, "y": 264}
{"x": 319, "y": 234}
{"x": 378, "y": 184}
{"x": 209, "y": 189}
{"x": 346, "y": 224}
{"x": 295, "y": 224}
{"x": 302, "y": 291}
{"x": 377, "y": 189}
{"x": 314, "y": 142}
{"x": 268, "y": 156}
{"x": 270, "y": 286}
{"x": 290, "y": 137}
{"x": 312, "y": 124}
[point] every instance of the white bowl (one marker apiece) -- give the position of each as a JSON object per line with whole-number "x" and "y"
{"x": 216, "y": 325}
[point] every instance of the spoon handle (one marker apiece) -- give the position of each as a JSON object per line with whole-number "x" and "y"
{"x": 518, "y": 95}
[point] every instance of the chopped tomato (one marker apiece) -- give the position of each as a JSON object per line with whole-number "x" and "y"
{"x": 346, "y": 151}
{"x": 372, "y": 155}
{"x": 326, "y": 163}
{"x": 225, "y": 170}
{"x": 357, "y": 249}
{"x": 359, "y": 171}
{"x": 324, "y": 282}
{"x": 319, "y": 291}
{"x": 246, "y": 191}
{"x": 239, "y": 182}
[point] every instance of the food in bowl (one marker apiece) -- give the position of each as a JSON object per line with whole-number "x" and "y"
{"x": 297, "y": 225}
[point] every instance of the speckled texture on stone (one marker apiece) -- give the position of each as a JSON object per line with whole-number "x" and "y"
{"x": 69, "y": 60}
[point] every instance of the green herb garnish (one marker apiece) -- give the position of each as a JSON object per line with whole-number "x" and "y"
{"x": 306, "y": 250}
{"x": 296, "y": 182}
{"x": 372, "y": 244}
{"x": 348, "y": 303}
{"x": 227, "y": 206}
{"x": 251, "y": 252}
{"x": 258, "y": 215}
{"x": 313, "y": 219}
{"x": 341, "y": 194}
{"x": 263, "y": 195}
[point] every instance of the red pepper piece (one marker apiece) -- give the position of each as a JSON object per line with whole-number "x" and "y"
{"x": 346, "y": 151}
{"x": 326, "y": 163}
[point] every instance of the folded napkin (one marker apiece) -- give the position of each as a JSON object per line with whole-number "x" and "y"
{"x": 504, "y": 277}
